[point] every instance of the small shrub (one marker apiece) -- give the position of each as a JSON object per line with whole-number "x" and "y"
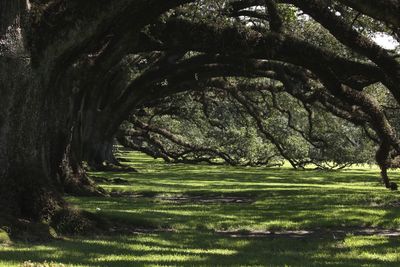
{"x": 4, "y": 238}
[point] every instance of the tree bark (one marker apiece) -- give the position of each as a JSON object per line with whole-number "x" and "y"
{"x": 37, "y": 163}
{"x": 27, "y": 188}
{"x": 99, "y": 154}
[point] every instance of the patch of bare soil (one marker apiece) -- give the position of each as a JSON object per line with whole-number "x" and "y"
{"x": 206, "y": 199}
{"x": 210, "y": 199}
{"x": 393, "y": 204}
{"x": 335, "y": 234}
{"x": 130, "y": 194}
{"x": 126, "y": 229}
{"x": 105, "y": 180}
{"x": 125, "y": 194}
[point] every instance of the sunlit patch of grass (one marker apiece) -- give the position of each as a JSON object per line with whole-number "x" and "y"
{"x": 290, "y": 200}
{"x": 373, "y": 248}
{"x": 278, "y": 199}
{"x": 4, "y": 237}
{"x": 207, "y": 249}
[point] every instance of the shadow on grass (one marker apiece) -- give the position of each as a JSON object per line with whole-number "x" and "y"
{"x": 184, "y": 249}
{"x": 281, "y": 199}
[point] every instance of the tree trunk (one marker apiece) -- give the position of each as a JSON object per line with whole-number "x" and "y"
{"x": 36, "y": 126}
{"x": 90, "y": 139}
{"x": 27, "y": 158}
{"x": 99, "y": 154}
{"x": 98, "y": 148}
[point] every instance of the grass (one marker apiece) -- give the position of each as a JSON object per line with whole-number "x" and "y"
{"x": 190, "y": 201}
{"x": 4, "y": 238}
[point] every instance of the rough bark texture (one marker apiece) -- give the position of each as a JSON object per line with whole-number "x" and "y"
{"x": 49, "y": 101}
{"x": 28, "y": 179}
{"x": 37, "y": 161}
{"x": 100, "y": 155}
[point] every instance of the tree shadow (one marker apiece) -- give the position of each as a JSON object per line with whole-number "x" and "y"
{"x": 193, "y": 249}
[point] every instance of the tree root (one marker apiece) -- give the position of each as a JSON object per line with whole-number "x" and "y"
{"x": 114, "y": 168}
{"x": 25, "y": 230}
{"x": 84, "y": 187}
{"x": 72, "y": 221}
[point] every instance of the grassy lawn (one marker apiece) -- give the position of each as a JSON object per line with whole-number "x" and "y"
{"x": 217, "y": 215}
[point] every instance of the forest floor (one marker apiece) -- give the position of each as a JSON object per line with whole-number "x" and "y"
{"x": 200, "y": 215}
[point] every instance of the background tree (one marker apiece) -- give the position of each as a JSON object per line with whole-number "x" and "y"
{"x": 212, "y": 126}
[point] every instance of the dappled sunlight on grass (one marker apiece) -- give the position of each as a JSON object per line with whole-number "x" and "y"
{"x": 376, "y": 249}
{"x": 195, "y": 202}
{"x": 187, "y": 249}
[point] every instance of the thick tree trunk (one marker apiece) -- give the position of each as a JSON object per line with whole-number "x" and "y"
{"x": 91, "y": 139}
{"x": 36, "y": 160}
{"x": 98, "y": 150}
{"x": 99, "y": 154}
{"x": 41, "y": 95}
{"x": 75, "y": 180}
{"x": 27, "y": 187}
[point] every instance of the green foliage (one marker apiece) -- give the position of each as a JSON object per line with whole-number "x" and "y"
{"x": 221, "y": 129}
{"x": 4, "y": 238}
{"x": 214, "y": 121}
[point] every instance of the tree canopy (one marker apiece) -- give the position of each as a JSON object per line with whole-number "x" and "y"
{"x": 251, "y": 82}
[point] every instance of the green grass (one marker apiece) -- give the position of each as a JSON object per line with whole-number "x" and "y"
{"x": 279, "y": 199}
{"x": 4, "y": 238}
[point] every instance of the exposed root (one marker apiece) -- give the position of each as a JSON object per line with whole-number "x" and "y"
{"x": 77, "y": 222}
{"x": 19, "y": 229}
{"x": 69, "y": 221}
{"x": 84, "y": 186}
{"x": 111, "y": 167}
{"x": 72, "y": 221}
{"x": 116, "y": 168}
{"x": 123, "y": 160}
{"x": 85, "y": 190}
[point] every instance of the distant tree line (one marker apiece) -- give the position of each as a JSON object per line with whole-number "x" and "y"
{"x": 248, "y": 127}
